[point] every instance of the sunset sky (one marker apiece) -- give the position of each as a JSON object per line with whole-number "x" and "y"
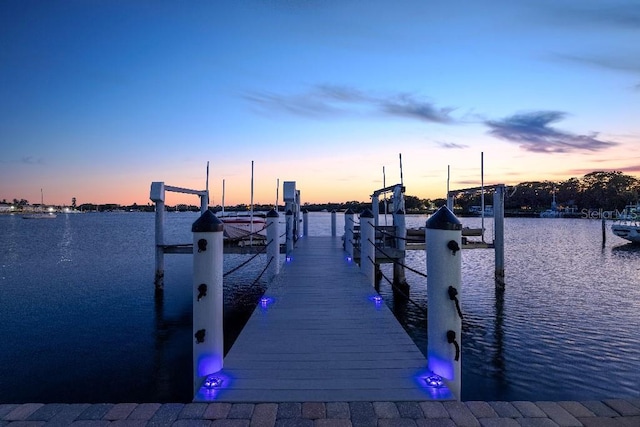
{"x": 99, "y": 98}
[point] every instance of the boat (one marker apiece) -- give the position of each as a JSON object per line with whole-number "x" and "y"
{"x": 478, "y": 211}
{"x": 627, "y": 224}
{"x": 244, "y": 225}
{"x": 40, "y": 214}
{"x": 553, "y": 212}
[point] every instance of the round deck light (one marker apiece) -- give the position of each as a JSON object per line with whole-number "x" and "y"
{"x": 212, "y": 382}
{"x": 434, "y": 381}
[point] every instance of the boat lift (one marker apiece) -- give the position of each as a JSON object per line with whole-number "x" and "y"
{"x": 157, "y": 195}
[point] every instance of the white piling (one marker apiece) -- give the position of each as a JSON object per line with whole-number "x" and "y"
{"x": 349, "y": 224}
{"x": 367, "y": 246}
{"x": 305, "y": 223}
{"x": 208, "y": 338}
{"x": 333, "y": 223}
{"x": 375, "y": 209}
{"x": 443, "y": 235}
{"x": 204, "y": 202}
{"x": 157, "y": 196}
{"x": 273, "y": 241}
{"x": 498, "y": 231}
{"x": 289, "y": 238}
{"x": 399, "y": 222}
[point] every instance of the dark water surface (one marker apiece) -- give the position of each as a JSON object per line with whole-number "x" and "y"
{"x": 79, "y": 320}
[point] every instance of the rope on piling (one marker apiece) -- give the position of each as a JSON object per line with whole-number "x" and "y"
{"x": 395, "y": 261}
{"x": 262, "y": 272}
{"x": 403, "y": 294}
{"x": 395, "y": 236}
{"x": 233, "y": 270}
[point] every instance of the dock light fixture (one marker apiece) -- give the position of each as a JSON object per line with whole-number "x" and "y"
{"x": 377, "y": 300}
{"x": 349, "y": 259}
{"x": 434, "y": 381}
{"x": 265, "y": 301}
{"x": 212, "y": 382}
{"x": 288, "y": 258}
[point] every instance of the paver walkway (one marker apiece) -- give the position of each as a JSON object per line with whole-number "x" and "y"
{"x": 321, "y": 338}
{"x": 614, "y": 413}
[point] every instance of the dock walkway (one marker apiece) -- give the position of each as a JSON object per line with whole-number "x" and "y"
{"x": 322, "y": 338}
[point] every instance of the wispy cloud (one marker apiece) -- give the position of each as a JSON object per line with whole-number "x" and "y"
{"x": 323, "y": 101}
{"x": 532, "y": 131}
{"x": 405, "y": 105}
{"x": 30, "y": 160}
{"x": 628, "y": 64}
{"x": 302, "y": 105}
{"x": 618, "y": 15}
{"x": 451, "y": 145}
{"x": 623, "y": 15}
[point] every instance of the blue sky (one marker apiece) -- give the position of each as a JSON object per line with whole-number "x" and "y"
{"x": 100, "y": 98}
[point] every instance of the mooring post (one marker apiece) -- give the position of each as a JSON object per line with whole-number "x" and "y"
{"x": 305, "y": 223}
{"x": 159, "y": 275}
{"x": 273, "y": 244}
{"x": 204, "y": 202}
{"x": 289, "y": 238}
{"x": 399, "y": 277}
{"x": 443, "y": 234}
{"x": 157, "y": 196}
{"x": 498, "y": 230}
{"x": 375, "y": 209}
{"x": 450, "y": 201}
{"x": 333, "y": 223}
{"x": 348, "y": 232}
{"x": 208, "y": 333}
{"x": 367, "y": 246}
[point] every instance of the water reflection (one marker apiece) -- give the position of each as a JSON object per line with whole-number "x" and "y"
{"x": 565, "y": 327}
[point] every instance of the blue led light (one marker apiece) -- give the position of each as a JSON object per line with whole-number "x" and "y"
{"x": 377, "y": 299}
{"x": 288, "y": 258}
{"x": 434, "y": 380}
{"x": 212, "y": 382}
{"x": 349, "y": 259}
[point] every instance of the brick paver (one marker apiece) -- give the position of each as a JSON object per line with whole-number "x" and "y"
{"x": 608, "y": 413}
{"x": 264, "y": 415}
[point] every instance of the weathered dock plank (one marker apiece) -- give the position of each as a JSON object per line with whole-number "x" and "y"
{"x": 322, "y": 338}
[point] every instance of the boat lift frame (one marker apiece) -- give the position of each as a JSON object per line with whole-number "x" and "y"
{"x": 157, "y": 195}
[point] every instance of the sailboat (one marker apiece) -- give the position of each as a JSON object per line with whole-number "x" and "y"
{"x": 40, "y": 214}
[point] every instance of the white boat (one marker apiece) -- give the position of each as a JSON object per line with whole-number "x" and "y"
{"x": 553, "y": 212}
{"x": 627, "y": 224}
{"x": 243, "y": 225}
{"x": 477, "y": 211}
{"x": 40, "y": 214}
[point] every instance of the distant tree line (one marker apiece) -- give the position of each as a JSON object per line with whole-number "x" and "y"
{"x": 595, "y": 190}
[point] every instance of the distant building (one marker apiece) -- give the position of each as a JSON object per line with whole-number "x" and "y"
{"x": 4, "y": 208}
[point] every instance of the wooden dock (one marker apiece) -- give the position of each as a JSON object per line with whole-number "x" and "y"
{"x": 322, "y": 337}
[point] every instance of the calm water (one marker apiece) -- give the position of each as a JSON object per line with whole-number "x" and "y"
{"x": 80, "y": 322}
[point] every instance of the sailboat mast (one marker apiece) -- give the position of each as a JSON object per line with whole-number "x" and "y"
{"x": 223, "y": 197}
{"x": 482, "y": 190}
{"x": 251, "y": 213}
